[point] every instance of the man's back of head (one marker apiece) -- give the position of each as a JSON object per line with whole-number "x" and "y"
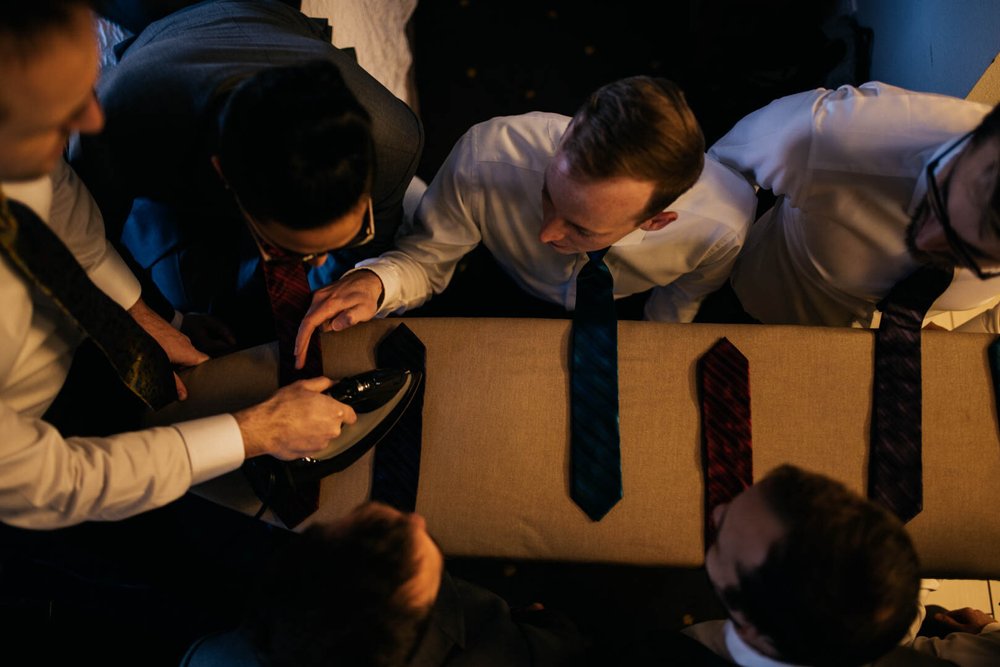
{"x": 834, "y": 581}
{"x": 354, "y": 592}
{"x": 296, "y": 146}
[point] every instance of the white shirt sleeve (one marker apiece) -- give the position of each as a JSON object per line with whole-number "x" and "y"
{"x": 74, "y": 216}
{"x": 47, "y": 481}
{"x": 445, "y": 229}
{"x": 771, "y": 145}
{"x": 679, "y": 301}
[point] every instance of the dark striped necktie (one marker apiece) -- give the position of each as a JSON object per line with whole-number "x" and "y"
{"x": 724, "y": 386}
{"x": 290, "y": 295}
{"x": 595, "y": 457}
{"x": 895, "y": 468}
{"x": 45, "y": 261}
{"x": 396, "y": 468}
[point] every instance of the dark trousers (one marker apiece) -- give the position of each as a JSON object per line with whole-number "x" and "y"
{"x": 136, "y": 591}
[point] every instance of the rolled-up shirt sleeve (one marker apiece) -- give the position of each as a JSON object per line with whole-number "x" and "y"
{"x": 74, "y": 216}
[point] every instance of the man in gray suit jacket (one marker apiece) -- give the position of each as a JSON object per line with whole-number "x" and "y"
{"x": 372, "y": 589}
{"x": 155, "y": 174}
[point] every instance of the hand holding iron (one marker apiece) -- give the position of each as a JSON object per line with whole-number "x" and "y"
{"x": 298, "y": 420}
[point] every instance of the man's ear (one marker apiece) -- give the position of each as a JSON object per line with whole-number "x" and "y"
{"x": 658, "y": 221}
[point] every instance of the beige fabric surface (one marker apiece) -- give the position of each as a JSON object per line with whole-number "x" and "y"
{"x": 494, "y": 469}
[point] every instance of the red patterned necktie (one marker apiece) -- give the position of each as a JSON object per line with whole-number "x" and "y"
{"x": 290, "y": 295}
{"x": 724, "y": 383}
{"x": 895, "y": 467}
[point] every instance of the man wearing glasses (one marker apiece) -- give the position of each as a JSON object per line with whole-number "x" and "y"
{"x": 627, "y": 174}
{"x": 871, "y": 182}
{"x": 313, "y": 159}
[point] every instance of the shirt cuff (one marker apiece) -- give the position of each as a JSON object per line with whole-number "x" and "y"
{"x": 214, "y": 446}
{"x": 390, "y": 287}
{"x": 115, "y": 279}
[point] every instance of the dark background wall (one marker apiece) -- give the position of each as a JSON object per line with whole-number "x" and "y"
{"x": 475, "y": 59}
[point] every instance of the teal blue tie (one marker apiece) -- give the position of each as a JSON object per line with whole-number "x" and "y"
{"x": 595, "y": 458}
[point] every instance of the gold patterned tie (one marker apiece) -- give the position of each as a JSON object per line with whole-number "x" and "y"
{"x": 45, "y": 261}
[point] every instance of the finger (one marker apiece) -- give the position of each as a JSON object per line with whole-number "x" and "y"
{"x": 949, "y": 621}
{"x": 182, "y": 392}
{"x": 347, "y": 318}
{"x": 317, "y": 384}
{"x": 349, "y": 416}
{"x": 306, "y": 329}
{"x": 197, "y": 357}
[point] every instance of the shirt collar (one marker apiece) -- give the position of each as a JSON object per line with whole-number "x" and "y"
{"x": 634, "y": 237}
{"x": 744, "y": 655}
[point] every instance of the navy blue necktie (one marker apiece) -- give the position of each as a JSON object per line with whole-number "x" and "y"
{"x": 724, "y": 386}
{"x": 41, "y": 256}
{"x": 595, "y": 457}
{"x": 895, "y": 468}
{"x": 396, "y": 467}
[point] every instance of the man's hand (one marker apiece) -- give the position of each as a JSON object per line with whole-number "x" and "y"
{"x": 352, "y": 299}
{"x": 296, "y": 421}
{"x": 208, "y": 333}
{"x": 177, "y": 346}
{"x": 966, "y": 619}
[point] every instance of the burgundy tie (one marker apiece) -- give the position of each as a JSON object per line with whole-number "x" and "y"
{"x": 290, "y": 295}
{"x": 724, "y": 382}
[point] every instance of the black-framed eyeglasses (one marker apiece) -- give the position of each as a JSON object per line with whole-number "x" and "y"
{"x": 274, "y": 252}
{"x": 939, "y": 206}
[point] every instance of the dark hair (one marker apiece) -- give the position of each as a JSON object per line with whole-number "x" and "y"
{"x": 639, "y": 127}
{"x": 334, "y": 597}
{"x": 23, "y": 23}
{"x": 296, "y": 146}
{"x": 841, "y": 587}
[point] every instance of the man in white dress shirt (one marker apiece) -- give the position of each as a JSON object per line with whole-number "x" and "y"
{"x": 871, "y": 182}
{"x": 48, "y": 64}
{"x": 540, "y": 190}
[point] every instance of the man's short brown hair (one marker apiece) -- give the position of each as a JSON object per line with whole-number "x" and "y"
{"x": 642, "y": 128}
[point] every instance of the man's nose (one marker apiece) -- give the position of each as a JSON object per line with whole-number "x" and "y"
{"x": 92, "y": 119}
{"x": 552, "y": 231}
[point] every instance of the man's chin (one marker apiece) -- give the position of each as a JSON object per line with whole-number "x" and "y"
{"x": 23, "y": 174}
{"x": 562, "y": 250}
